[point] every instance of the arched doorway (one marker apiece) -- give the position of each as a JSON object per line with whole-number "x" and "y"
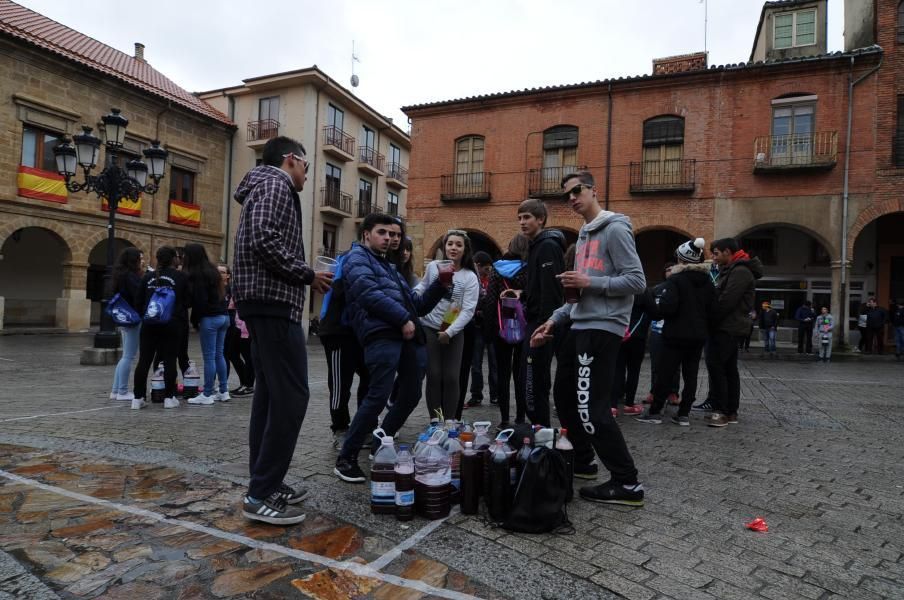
{"x": 97, "y": 266}
{"x": 479, "y": 241}
{"x": 877, "y": 267}
{"x": 31, "y": 276}
{"x": 656, "y": 247}
{"x": 571, "y": 236}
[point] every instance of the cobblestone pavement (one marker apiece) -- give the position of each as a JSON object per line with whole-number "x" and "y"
{"x": 97, "y": 500}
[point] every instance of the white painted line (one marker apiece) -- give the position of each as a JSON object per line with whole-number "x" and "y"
{"x": 406, "y": 544}
{"x": 352, "y": 567}
{"x": 57, "y": 414}
{"x": 7, "y": 359}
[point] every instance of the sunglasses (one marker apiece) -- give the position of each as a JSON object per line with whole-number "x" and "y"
{"x": 460, "y": 232}
{"x": 301, "y": 159}
{"x": 576, "y": 190}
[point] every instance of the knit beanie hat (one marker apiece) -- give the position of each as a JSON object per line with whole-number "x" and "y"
{"x": 691, "y": 251}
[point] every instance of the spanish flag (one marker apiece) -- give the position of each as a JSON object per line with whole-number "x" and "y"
{"x": 125, "y": 206}
{"x": 184, "y": 214}
{"x": 42, "y": 185}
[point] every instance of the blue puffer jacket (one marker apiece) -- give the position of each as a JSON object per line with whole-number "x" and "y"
{"x": 380, "y": 300}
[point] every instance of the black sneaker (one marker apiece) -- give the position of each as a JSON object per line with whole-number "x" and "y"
{"x": 706, "y": 406}
{"x": 272, "y": 509}
{"x": 648, "y": 417}
{"x": 590, "y": 471}
{"x": 349, "y": 471}
{"x": 290, "y": 494}
{"x": 614, "y": 493}
{"x": 472, "y": 403}
{"x": 494, "y": 401}
{"x": 681, "y": 420}
{"x": 242, "y": 390}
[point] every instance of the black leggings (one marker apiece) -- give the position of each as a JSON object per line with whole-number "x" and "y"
{"x": 508, "y": 369}
{"x": 237, "y": 351}
{"x": 161, "y": 341}
{"x": 627, "y": 370}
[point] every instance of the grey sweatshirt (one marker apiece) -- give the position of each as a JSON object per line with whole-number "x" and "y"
{"x": 605, "y": 251}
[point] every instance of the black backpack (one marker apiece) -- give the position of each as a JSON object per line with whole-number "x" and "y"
{"x": 539, "y": 504}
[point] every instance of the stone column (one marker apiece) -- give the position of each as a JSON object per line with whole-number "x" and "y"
{"x": 73, "y": 309}
{"x": 2, "y": 311}
{"x": 841, "y": 320}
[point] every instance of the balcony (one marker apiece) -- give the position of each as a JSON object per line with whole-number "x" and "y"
{"x": 662, "y": 176}
{"x": 338, "y": 143}
{"x": 335, "y": 202}
{"x": 397, "y": 176}
{"x": 897, "y": 148}
{"x": 798, "y": 151}
{"x": 547, "y": 182}
{"x": 365, "y": 207}
{"x": 465, "y": 186}
{"x": 261, "y": 131}
{"x": 392, "y": 209}
{"x": 370, "y": 161}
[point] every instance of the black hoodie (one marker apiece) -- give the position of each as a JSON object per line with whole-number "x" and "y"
{"x": 686, "y": 302}
{"x": 545, "y": 260}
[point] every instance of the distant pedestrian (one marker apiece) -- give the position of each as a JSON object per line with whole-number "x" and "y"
{"x": 897, "y": 321}
{"x": 804, "y": 316}
{"x": 237, "y": 347}
{"x": 876, "y": 317}
{"x": 824, "y": 324}
{"x": 861, "y": 327}
{"x": 126, "y": 282}
{"x": 744, "y": 344}
{"x": 768, "y": 328}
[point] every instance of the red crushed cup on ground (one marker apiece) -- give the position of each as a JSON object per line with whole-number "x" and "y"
{"x": 758, "y": 524}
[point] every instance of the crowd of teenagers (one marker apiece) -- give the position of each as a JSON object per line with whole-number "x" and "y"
{"x": 587, "y": 306}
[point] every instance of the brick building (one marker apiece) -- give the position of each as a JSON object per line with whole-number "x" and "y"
{"x": 53, "y": 243}
{"x": 756, "y": 150}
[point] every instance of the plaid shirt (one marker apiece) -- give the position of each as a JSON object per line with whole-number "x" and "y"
{"x": 270, "y": 272}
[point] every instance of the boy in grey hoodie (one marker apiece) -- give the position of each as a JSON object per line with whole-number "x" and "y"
{"x": 607, "y": 273}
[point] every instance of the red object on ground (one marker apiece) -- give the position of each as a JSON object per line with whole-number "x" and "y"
{"x": 758, "y": 524}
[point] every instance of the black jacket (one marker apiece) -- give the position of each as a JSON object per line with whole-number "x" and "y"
{"x": 168, "y": 277}
{"x": 768, "y": 319}
{"x": 127, "y": 286}
{"x": 897, "y": 317}
{"x": 206, "y": 300}
{"x": 546, "y": 259}
{"x": 735, "y": 295}
{"x": 686, "y": 302}
{"x": 643, "y": 313}
{"x": 876, "y": 317}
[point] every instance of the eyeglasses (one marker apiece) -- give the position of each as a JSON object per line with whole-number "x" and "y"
{"x": 576, "y": 190}
{"x": 301, "y": 159}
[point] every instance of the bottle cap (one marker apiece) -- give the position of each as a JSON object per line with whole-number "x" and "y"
{"x": 563, "y": 431}
{"x": 403, "y": 447}
{"x": 387, "y": 440}
{"x": 453, "y": 434}
{"x": 469, "y": 445}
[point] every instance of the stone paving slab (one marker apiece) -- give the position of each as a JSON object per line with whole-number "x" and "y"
{"x": 818, "y": 454}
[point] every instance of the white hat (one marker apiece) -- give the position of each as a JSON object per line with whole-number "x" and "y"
{"x": 691, "y": 251}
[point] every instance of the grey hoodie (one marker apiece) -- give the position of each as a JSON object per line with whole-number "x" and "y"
{"x": 605, "y": 251}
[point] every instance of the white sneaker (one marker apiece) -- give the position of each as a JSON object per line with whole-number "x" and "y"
{"x": 202, "y": 399}
{"x": 125, "y": 397}
{"x": 223, "y": 397}
{"x": 170, "y": 403}
{"x": 138, "y": 403}
{"x": 112, "y": 395}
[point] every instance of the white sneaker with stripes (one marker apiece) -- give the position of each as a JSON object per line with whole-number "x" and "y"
{"x": 272, "y": 509}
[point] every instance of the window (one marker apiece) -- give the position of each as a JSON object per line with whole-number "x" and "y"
{"x": 792, "y": 130}
{"x": 395, "y": 156}
{"x": 182, "y": 185}
{"x": 330, "y": 236}
{"x": 333, "y": 178}
{"x": 368, "y": 137}
{"x": 365, "y": 197}
{"x": 793, "y": 29}
{"x": 268, "y": 108}
{"x": 37, "y": 148}
{"x": 663, "y": 150}
{"x": 468, "y": 165}
{"x": 898, "y": 141}
{"x": 392, "y": 204}
{"x": 335, "y": 117}
{"x": 901, "y": 22}
{"x": 560, "y": 152}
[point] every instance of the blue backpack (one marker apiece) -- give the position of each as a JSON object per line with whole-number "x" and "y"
{"x": 122, "y": 314}
{"x": 160, "y": 306}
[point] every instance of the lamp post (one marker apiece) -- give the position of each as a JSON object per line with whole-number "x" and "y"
{"x": 113, "y": 183}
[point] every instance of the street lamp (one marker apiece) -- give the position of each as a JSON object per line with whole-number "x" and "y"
{"x": 113, "y": 183}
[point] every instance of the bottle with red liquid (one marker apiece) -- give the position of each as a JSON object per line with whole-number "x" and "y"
{"x": 454, "y": 449}
{"x": 482, "y": 441}
{"x": 471, "y": 478}
{"x": 498, "y": 494}
{"x": 566, "y": 450}
{"x": 432, "y": 480}
{"x": 521, "y": 460}
{"x": 382, "y": 478}
{"x": 404, "y": 484}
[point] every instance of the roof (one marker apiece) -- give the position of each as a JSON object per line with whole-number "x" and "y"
{"x": 36, "y": 29}
{"x": 748, "y": 66}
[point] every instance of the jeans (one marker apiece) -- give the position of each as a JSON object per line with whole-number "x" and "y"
{"x": 213, "y": 337}
{"x": 768, "y": 339}
{"x": 899, "y": 340}
{"x": 130, "y": 337}
{"x": 477, "y": 367}
{"x": 722, "y": 363}
{"x": 384, "y": 359}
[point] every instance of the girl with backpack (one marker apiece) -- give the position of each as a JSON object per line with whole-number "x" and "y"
{"x": 210, "y": 316}
{"x": 126, "y": 281}
{"x": 507, "y": 279}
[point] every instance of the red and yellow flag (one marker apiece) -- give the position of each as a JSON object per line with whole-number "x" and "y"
{"x": 184, "y": 214}
{"x": 125, "y": 206}
{"x": 42, "y": 185}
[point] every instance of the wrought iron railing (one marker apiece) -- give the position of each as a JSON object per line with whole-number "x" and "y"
{"x": 367, "y": 206}
{"x": 262, "y": 130}
{"x": 897, "y": 148}
{"x": 333, "y": 136}
{"x": 370, "y": 156}
{"x": 465, "y": 186}
{"x": 548, "y": 180}
{"x": 392, "y": 209}
{"x": 397, "y": 172}
{"x": 663, "y": 175}
{"x": 796, "y": 150}
{"x": 334, "y": 198}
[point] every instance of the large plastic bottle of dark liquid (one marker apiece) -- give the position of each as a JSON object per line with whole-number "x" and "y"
{"x": 499, "y": 491}
{"x": 482, "y": 443}
{"x": 432, "y": 480}
{"x": 382, "y": 479}
{"x": 404, "y": 484}
{"x": 453, "y": 448}
{"x": 471, "y": 477}
{"x": 564, "y": 448}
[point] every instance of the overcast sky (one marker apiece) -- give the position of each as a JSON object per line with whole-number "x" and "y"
{"x": 414, "y": 51}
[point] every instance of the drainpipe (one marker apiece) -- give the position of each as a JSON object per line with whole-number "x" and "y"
{"x": 843, "y": 303}
{"x": 229, "y": 181}
{"x": 608, "y": 143}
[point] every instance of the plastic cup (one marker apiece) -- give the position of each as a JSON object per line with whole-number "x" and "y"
{"x": 446, "y": 271}
{"x": 325, "y": 264}
{"x": 572, "y": 295}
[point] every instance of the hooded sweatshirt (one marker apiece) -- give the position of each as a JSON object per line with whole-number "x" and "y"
{"x": 546, "y": 259}
{"x": 270, "y": 272}
{"x": 605, "y": 251}
{"x": 735, "y": 294}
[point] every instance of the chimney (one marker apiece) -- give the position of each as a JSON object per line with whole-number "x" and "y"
{"x": 682, "y": 63}
{"x": 139, "y": 51}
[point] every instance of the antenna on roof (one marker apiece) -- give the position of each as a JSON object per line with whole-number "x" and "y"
{"x": 355, "y": 79}
{"x": 705, "y": 21}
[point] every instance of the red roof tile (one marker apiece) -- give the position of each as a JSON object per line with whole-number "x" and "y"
{"x": 38, "y": 30}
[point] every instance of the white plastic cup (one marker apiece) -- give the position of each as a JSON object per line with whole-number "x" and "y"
{"x": 325, "y": 264}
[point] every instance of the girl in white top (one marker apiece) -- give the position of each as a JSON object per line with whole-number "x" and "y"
{"x": 444, "y": 324}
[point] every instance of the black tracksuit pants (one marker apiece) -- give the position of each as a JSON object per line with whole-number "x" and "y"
{"x": 158, "y": 343}
{"x": 684, "y": 355}
{"x": 627, "y": 370}
{"x": 722, "y": 364}
{"x": 508, "y": 369}
{"x": 536, "y": 364}
{"x": 585, "y": 369}
{"x": 344, "y": 358}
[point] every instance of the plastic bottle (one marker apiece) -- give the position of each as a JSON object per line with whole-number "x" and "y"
{"x": 404, "y": 484}
{"x": 564, "y": 448}
{"x": 504, "y": 436}
{"x": 419, "y": 444}
{"x": 499, "y": 491}
{"x": 521, "y": 460}
{"x": 471, "y": 478}
{"x": 482, "y": 443}
{"x": 453, "y": 449}
{"x": 158, "y": 385}
{"x": 382, "y": 478}
{"x": 191, "y": 380}
{"x": 432, "y": 479}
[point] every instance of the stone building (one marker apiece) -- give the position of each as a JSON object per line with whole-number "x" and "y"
{"x": 53, "y": 243}
{"x": 763, "y": 151}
